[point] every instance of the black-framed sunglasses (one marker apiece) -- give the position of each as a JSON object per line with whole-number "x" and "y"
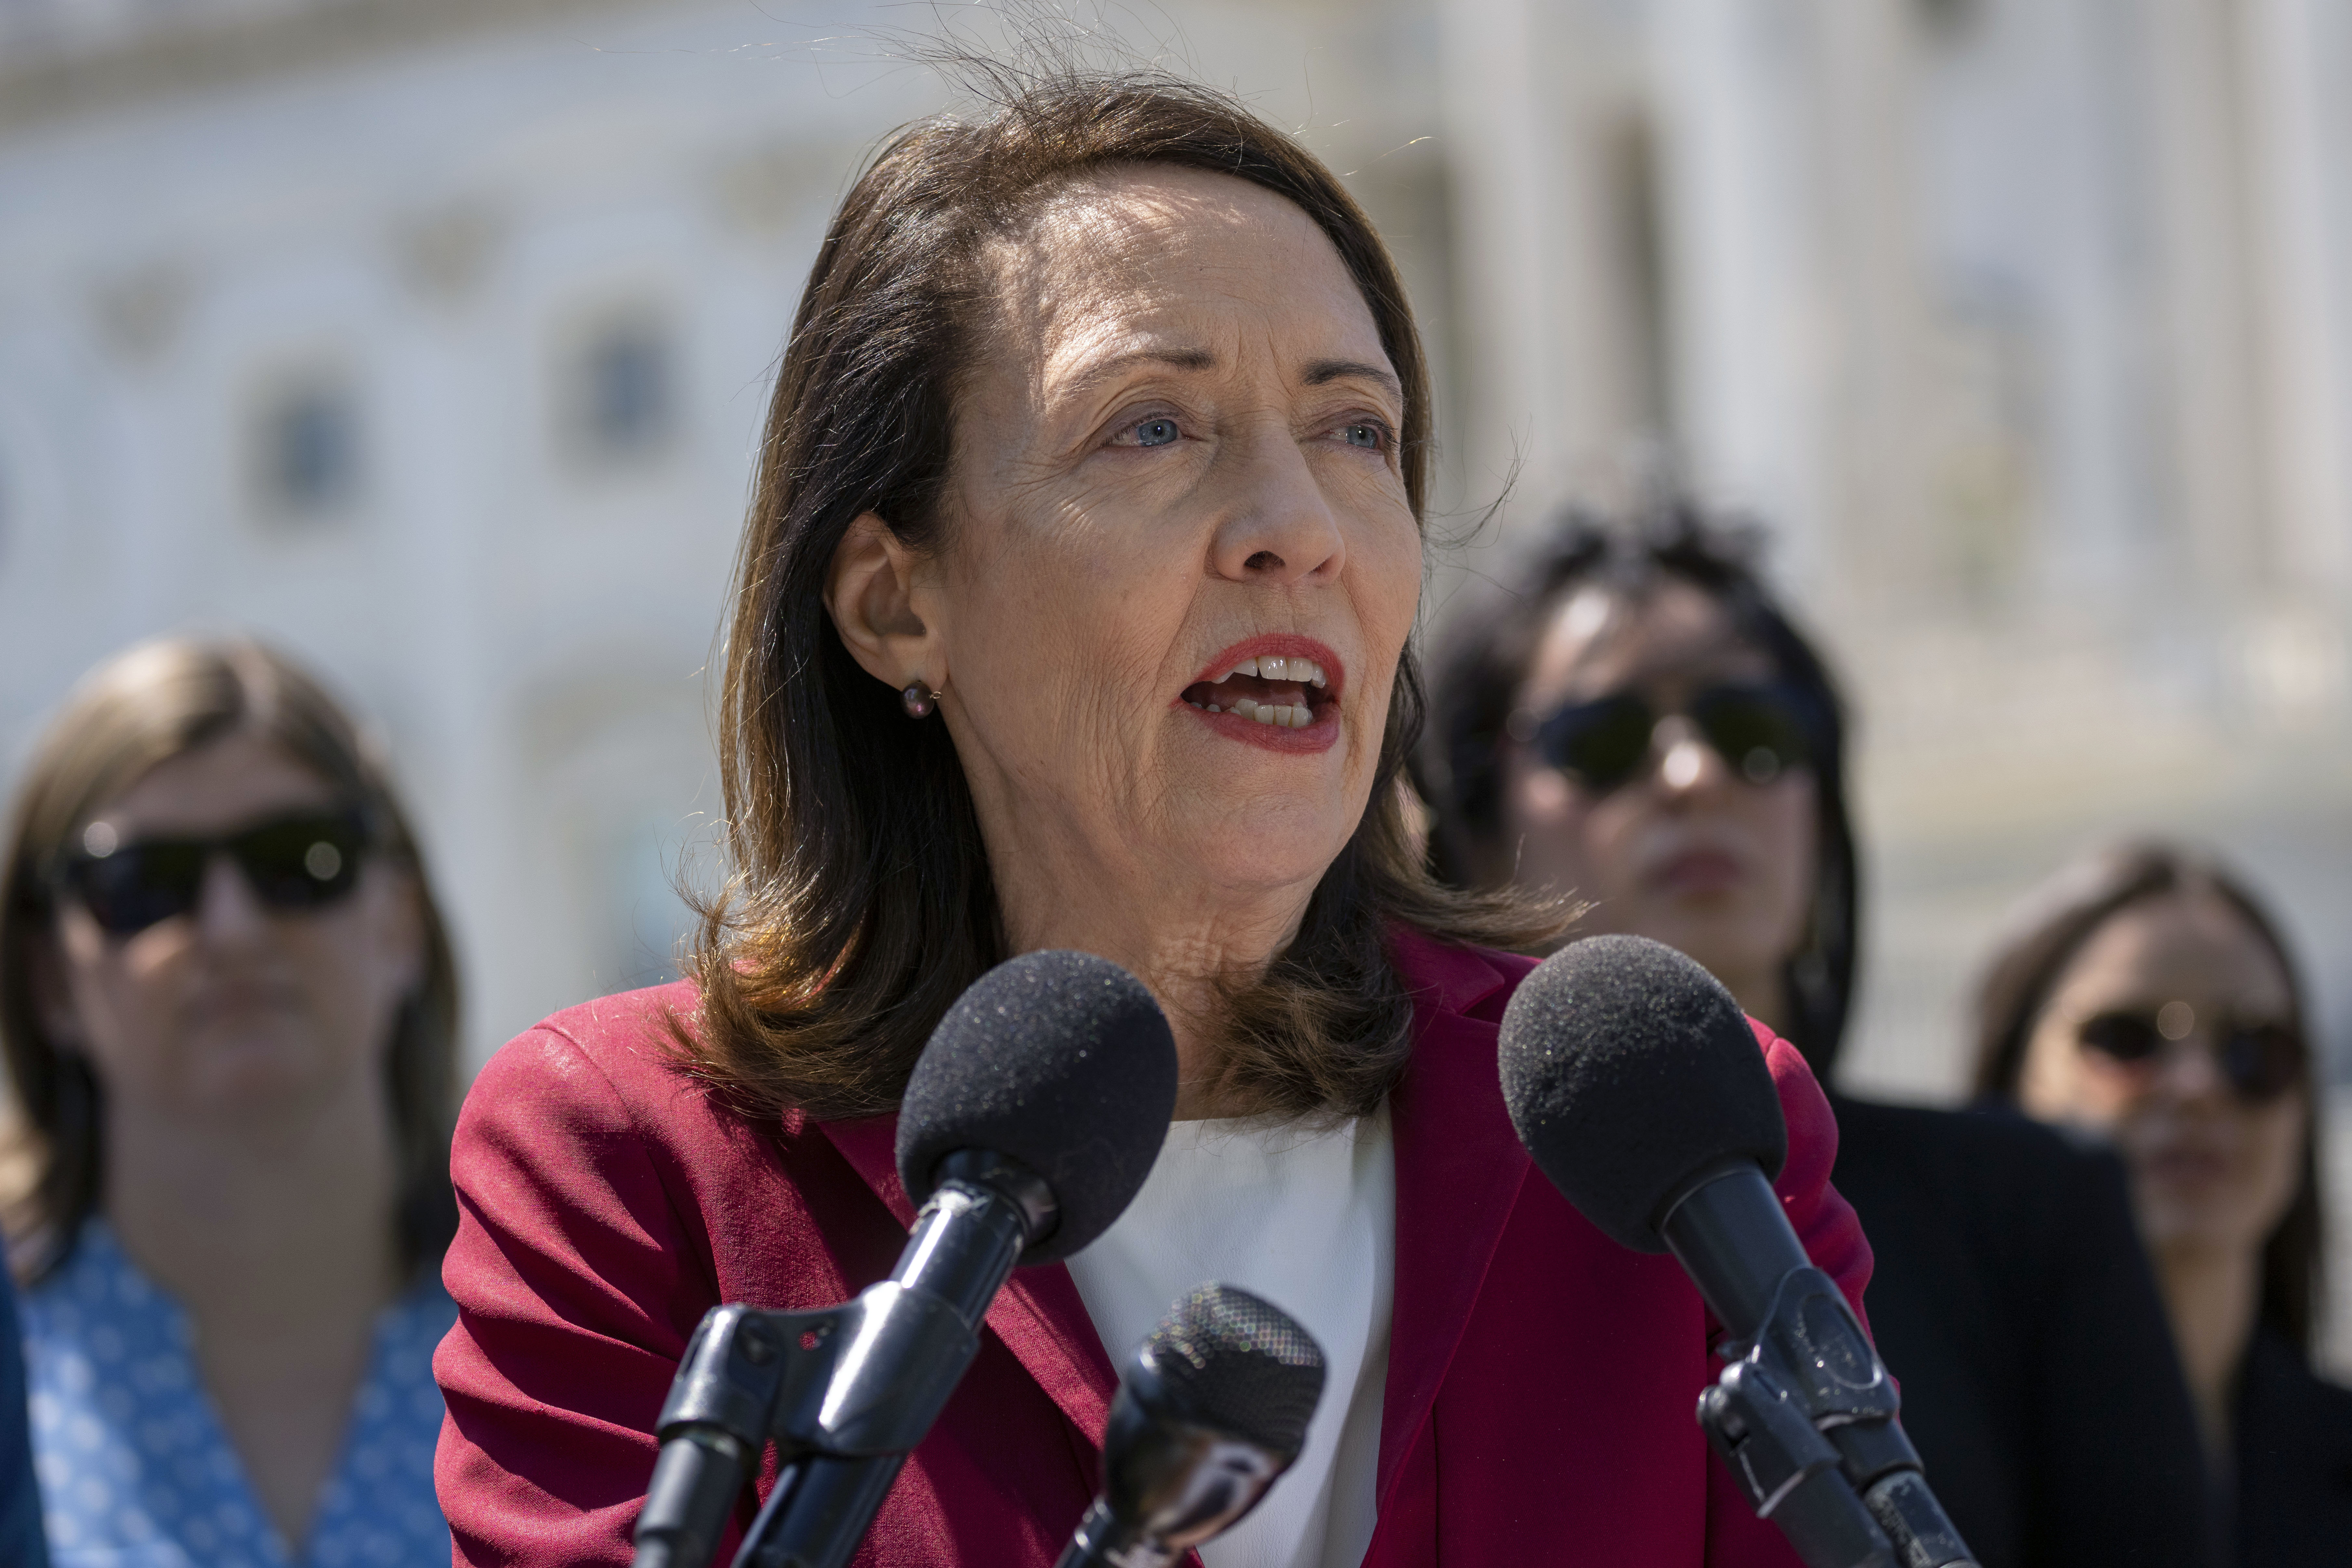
{"x": 1760, "y": 731}
{"x": 294, "y": 862}
{"x": 2260, "y": 1061}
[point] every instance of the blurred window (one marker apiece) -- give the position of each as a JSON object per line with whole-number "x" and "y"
{"x": 307, "y": 442}
{"x": 620, "y": 396}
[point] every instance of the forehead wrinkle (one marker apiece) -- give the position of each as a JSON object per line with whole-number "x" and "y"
{"x": 1076, "y": 321}
{"x": 1132, "y": 243}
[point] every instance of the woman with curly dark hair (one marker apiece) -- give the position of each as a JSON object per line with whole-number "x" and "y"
{"x": 1632, "y": 717}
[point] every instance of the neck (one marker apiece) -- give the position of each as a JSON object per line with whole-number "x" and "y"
{"x": 254, "y": 1221}
{"x": 2212, "y": 1295}
{"x": 1181, "y": 944}
{"x": 1760, "y": 995}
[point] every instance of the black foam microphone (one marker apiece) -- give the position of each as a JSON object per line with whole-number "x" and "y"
{"x": 1636, "y": 1083}
{"x": 1211, "y": 1411}
{"x": 1031, "y": 1121}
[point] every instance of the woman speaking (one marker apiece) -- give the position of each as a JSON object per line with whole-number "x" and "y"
{"x": 1073, "y": 611}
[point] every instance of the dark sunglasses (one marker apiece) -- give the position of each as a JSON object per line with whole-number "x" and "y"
{"x": 304, "y": 860}
{"x": 1760, "y": 731}
{"x": 2259, "y": 1061}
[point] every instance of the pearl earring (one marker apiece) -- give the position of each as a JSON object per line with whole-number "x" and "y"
{"x": 919, "y": 700}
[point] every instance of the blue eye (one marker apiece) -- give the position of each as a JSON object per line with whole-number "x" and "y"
{"x": 1156, "y": 432}
{"x": 1371, "y": 436}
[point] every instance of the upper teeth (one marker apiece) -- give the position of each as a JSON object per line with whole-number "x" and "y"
{"x": 1276, "y": 667}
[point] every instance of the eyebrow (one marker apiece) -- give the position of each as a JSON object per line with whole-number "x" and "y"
{"x": 1324, "y": 371}
{"x": 1321, "y": 373}
{"x": 1182, "y": 359}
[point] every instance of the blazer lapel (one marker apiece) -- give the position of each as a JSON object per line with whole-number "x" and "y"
{"x": 1459, "y": 1168}
{"x": 1038, "y": 1314}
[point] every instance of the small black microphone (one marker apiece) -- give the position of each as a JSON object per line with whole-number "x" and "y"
{"x": 1636, "y": 1083}
{"x": 1211, "y": 1411}
{"x": 1029, "y": 1124}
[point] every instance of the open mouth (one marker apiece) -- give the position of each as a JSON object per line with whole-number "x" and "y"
{"x": 1271, "y": 682}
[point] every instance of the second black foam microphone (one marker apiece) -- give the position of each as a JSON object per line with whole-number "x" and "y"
{"x": 1637, "y": 1084}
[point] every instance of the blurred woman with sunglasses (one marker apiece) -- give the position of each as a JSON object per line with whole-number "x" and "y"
{"x": 228, "y": 1009}
{"x": 2146, "y": 995}
{"x": 1633, "y": 718}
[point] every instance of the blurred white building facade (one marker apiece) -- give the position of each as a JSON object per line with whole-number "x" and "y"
{"x": 430, "y": 339}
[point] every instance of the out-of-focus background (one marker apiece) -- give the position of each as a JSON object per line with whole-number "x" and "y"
{"x": 431, "y": 338}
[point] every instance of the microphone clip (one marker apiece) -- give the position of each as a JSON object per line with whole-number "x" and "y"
{"x": 761, "y": 1377}
{"x": 845, "y": 1393}
{"x": 1807, "y": 1419}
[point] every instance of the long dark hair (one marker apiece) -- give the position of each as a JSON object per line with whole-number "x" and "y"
{"x": 1484, "y": 663}
{"x": 144, "y": 706}
{"x": 862, "y": 903}
{"x": 2051, "y": 928}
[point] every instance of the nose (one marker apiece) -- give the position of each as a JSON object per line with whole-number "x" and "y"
{"x": 1276, "y": 526}
{"x": 1686, "y": 764}
{"x": 2188, "y": 1069}
{"x": 227, "y": 912}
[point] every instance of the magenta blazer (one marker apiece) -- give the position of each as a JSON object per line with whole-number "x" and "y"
{"x": 1541, "y": 1378}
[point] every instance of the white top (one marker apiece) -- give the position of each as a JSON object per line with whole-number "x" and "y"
{"x": 1306, "y": 1220}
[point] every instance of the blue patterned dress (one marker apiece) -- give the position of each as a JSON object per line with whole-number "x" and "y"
{"x": 137, "y": 1472}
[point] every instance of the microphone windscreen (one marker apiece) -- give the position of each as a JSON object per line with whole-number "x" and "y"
{"x": 1234, "y": 1362}
{"x": 1061, "y": 1061}
{"x": 1628, "y": 1070}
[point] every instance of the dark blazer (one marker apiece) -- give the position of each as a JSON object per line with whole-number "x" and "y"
{"x": 2011, "y": 1300}
{"x": 1540, "y": 1383}
{"x": 2294, "y": 1461}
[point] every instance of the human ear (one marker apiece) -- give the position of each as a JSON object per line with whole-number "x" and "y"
{"x": 874, "y": 592}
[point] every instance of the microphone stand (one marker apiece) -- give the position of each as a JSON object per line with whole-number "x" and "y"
{"x": 845, "y": 1393}
{"x": 1805, "y": 1415}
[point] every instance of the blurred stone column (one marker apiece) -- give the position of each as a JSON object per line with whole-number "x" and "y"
{"x": 2205, "y": 233}
{"x": 1540, "y": 98}
{"x": 1793, "y": 204}
{"x": 2297, "y": 69}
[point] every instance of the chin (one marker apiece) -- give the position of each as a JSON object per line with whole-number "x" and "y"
{"x": 259, "y": 1071}
{"x": 2194, "y": 1228}
{"x": 1716, "y": 937}
{"x": 1264, "y": 860}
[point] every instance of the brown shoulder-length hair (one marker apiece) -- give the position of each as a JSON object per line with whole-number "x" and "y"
{"x": 2054, "y": 923}
{"x": 862, "y": 904}
{"x": 145, "y": 706}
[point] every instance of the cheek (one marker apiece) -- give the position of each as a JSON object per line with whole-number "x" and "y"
{"x": 122, "y": 997}
{"x": 1789, "y": 835}
{"x": 1541, "y": 800}
{"x": 390, "y": 947}
{"x": 1562, "y": 838}
{"x": 1389, "y": 575}
{"x": 1045, "y": 623}
{"x": 2275, "y": 1136}
{"x": 125, "y": 979}
{"x": 2057, "y": 1085}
